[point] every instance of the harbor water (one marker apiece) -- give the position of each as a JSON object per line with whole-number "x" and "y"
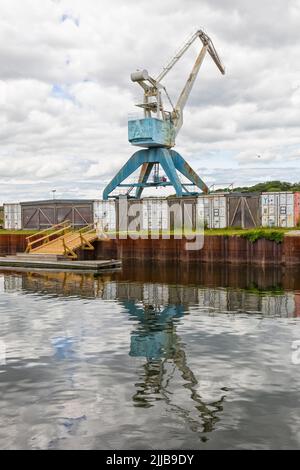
{"x": 156, "y": 357}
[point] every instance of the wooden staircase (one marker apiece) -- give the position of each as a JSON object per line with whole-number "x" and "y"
{"x": 61, "y": 240}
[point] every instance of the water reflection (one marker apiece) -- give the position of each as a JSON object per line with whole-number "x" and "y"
{"x": 222, "y": 288}
{"x": 157, "y": 340}
{"x": 177, "y": 355}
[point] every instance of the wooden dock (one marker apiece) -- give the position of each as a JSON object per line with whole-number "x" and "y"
{"x": 58, "y": 263}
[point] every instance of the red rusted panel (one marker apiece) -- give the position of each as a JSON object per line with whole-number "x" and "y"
{"x": 291, "y": 255}
{"x": 296, "y": 209}
{"x": 11, "y": 244}
{"x": 216, "y": 250}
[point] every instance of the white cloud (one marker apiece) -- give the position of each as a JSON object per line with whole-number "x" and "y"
{"x": 65, "y": 90}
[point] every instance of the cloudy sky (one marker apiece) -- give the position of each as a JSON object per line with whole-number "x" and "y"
{"x": 65, "y": 91}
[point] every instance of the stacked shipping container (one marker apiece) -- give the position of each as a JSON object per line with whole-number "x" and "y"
{"x": 276, "y": 209}
{"x": 244, "y": 210}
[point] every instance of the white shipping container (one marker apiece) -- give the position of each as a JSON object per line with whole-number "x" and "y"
{"x": 277, "y": 209}
{"x": 215, "y": 210}
{"x": 12, "y": 217}
{"x": 105, "y": 215}
{"x": 155, "y": 214}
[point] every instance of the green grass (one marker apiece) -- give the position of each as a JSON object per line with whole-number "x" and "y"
{"x": 17, "y": 232}
{"x": 274, "y": 234}
{"x": 252, "y": 234}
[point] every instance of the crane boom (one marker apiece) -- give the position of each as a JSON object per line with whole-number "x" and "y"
{"x": 205, "y": 41}
{"x": 178, "y": 112}
{"x": 177, "y": 56}
{"x": 209, "y": 47}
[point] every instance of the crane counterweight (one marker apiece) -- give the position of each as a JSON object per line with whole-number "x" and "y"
{"x": 139, "y": 76}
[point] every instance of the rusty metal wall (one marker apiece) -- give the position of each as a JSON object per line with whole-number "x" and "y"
{"x": 44, "y": 214}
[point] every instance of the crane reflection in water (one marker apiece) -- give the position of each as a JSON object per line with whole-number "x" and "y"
{"x": 156, "y": 339}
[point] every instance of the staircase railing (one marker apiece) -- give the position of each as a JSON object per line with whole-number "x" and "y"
{"x": 84, "y": 242}
{"x": 50, "y": 232}
{"x": 69, "y": 239}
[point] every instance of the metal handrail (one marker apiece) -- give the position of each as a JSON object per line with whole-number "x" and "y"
{"x": 46, "y": 238}
{"x": 86, "y": 228}
{"x": 47, "y": 229}
{"x": 66, "y": 236}
{"x": 80, "y": 233}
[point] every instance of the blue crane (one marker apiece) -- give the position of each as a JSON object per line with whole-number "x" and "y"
{"x": 157, "y": 130}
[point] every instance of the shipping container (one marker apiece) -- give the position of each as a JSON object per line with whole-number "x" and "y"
{"x": 214, "y": 208}
{"x": 155, "y": 214}
{"x": 12, "y": 217}
{"x": 169, "y": 214}
{"x": 280, "y": 209}
{"x": 104, "y": 215}
{"x": 43, "y": 214}
{"x": 152, "y": 214}
{"x": 243, "y": 210}
{"x": 172, "y": 213}
{"x": 296, "y": 209}
{"x": 183, "y": 213}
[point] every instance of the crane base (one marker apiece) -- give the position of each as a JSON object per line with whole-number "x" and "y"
{"x": 171, "y": 162}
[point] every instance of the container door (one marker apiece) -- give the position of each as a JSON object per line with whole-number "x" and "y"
{"x": 290, "y": 215}
{"x": 105, "y": 215}
{"x": 165, "y": 215}
{"x": 296, "y": 209}
{"x": 145, "y": 216}
{"x": 202, "y": 215}
{"x": 12, "y": 217}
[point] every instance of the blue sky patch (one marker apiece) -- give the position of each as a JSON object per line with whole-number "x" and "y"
{"x": 66, "y": 17}
{"x": 61, "y": 92}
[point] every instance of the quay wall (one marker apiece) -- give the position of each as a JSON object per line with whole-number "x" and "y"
{"x": 217, "y": 249}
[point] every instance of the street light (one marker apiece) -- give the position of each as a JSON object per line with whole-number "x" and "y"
{"x": 53, "y": 192}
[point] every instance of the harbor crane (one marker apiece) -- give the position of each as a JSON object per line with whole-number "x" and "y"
{"x": 157, "y": 130}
